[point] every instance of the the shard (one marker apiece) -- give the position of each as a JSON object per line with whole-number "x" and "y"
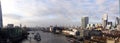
{"x": 1, "y": 23}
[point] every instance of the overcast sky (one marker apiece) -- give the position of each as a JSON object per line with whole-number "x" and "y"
{"x": 60, "y": 12}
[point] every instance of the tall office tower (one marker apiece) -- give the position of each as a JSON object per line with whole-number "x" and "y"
{"x": 1, "y": 24}
{"x": 105, "y": 20}
{"x": 84, "y": 22}
{"x": 117, "y": 21}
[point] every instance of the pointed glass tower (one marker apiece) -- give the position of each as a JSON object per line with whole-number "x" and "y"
{"x": 1, "y": 23}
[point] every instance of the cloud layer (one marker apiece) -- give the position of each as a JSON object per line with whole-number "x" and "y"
{"x": 60, "y": 12}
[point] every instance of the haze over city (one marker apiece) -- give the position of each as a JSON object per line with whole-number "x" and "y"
{"x": 57, "y": 12}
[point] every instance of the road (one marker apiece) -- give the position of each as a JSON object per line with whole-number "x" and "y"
{"x": 46, "y": 38}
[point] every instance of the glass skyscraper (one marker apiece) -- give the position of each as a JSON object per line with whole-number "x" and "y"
{"x": 105, "y": 20}
{"x": 84, "y": 22}
{"x": 1, "y": 23}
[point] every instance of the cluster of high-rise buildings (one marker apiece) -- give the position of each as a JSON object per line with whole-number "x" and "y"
{"x": 105, "y": 24}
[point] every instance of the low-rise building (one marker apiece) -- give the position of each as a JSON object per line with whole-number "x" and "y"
{"x": 10, "y": 25}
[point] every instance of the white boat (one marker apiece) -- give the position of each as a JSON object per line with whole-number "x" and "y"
{"x": 37, "y": 37}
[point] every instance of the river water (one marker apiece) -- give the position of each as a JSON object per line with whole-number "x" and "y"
{"x": 46, "y": 37}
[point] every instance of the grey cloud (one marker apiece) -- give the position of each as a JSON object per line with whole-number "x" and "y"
{"x": 13, "y": 16}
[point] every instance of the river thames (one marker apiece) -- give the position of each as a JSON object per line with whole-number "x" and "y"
{"x": 46, "y": 37}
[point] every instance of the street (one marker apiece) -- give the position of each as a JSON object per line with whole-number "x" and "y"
{"x": 46, "y": 37}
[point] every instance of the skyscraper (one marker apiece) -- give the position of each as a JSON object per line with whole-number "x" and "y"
{"x": 117, "y": 21}
{"x": 0, "y": 16}
{"x": 84, "y": 22}
{"x": 105, "y": 20}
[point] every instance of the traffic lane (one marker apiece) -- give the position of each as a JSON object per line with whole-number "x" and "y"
{"x": 46, "y": 38}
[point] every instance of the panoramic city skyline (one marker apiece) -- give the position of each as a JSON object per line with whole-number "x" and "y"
{"x": 57, "y": 12}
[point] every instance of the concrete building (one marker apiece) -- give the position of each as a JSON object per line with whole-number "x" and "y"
{"x": 118, "y": 27}
{"x": 20, "y": 25}
{"x": 105, "y": 20}
{"x": 109, "y": 25}
{"x": 1, "y": 23}
{"x": 10, "y": 25}
{"x": 84, "y": 22}
{"x": 90, "y": 26}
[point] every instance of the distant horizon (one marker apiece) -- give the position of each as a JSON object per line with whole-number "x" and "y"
{"x": 43, "y": 25}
